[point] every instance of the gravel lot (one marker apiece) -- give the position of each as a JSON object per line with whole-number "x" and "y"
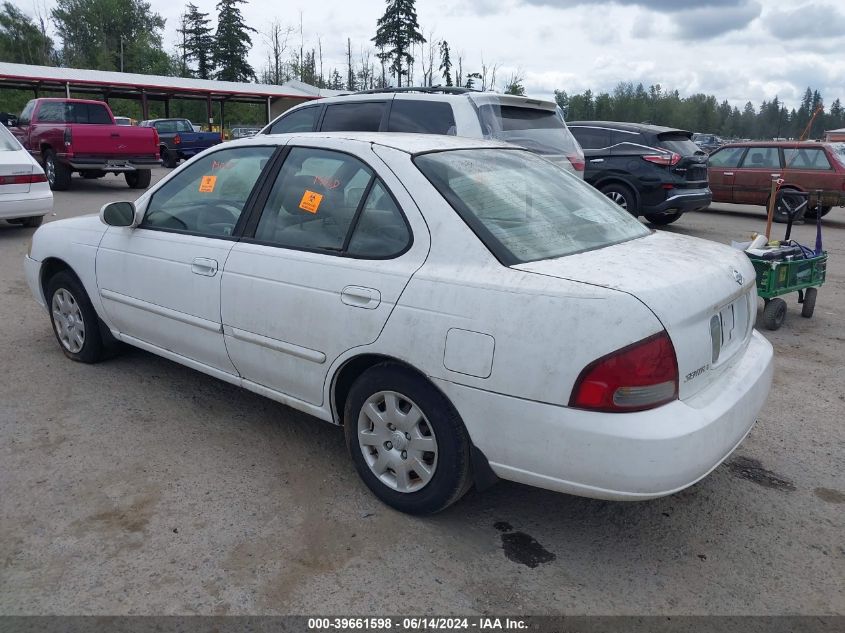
{"x": 138, "y": 486}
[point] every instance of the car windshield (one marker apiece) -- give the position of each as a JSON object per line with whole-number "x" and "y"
{"x": 540, "y": 130}
{"x": 525, "y": 208}
{"x": 8, "y": 143}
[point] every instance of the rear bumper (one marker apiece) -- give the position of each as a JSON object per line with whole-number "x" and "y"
{"x": 627, "y": 456}
{"x": 25, "y": 205}
{"x": 682, "y": 200}
{"x": 102, "y": 164}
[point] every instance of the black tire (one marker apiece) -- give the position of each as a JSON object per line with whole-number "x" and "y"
{"x": 774, "y": 313}
{"x": 811, "y": 212}
{"x": 139, "y": 179}
{"x": 58, "y": 175}
{"x": 623, "y": 196}
{"x": 781, "y": 216}
{"x": 451, "y": 477}
{"x": 168, "y": 158}
{"x": 664, "y": 219}
{"x": 809, "y": 305}
{"x": 92, "y": 349}
{"x": 32, "y": 222}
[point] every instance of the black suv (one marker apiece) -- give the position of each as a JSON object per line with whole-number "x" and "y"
{"x": 657, "y": 172}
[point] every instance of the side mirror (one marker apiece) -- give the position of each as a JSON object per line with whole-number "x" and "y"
{"x": 118, "y": 214}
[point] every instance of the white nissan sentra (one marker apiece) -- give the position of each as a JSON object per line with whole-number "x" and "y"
{"x": 463, "y": 308}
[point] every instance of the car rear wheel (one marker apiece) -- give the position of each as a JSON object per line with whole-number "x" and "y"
{"x": 139, "y": 179}
{"x": 774, "y": 313}
{"x": 621, "y": 195}
{"x": 664, "y": 218}
{"x": 168, "y": 158}
{"x": 74, "y": 320}
{"x": 785, "y": 205}
{"x": 58, "y": 175}
{"x": 407, "y": 441}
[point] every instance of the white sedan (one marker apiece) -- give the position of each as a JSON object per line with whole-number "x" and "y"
{"x": 25, "y": 196}
{"x": 465, "y": 309}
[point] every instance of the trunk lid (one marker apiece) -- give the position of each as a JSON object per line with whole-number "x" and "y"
{"x": 15, "y": 172}
{"x": 112, "y": 141}
{"x": 703, "y": 293}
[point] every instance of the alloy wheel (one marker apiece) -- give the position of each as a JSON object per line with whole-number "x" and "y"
{"x": 67, "y": 320}
{"x": 618, "y": 198}
{"x": 397, "y": 442}
{"x": 50, "y": 169}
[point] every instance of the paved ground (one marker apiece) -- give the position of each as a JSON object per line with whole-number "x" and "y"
{"x": 139, "y": 486}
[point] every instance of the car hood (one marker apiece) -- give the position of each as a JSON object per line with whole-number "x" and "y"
{"x": 685, "y": 282}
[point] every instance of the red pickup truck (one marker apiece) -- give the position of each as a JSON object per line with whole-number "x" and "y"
{"x": 77, "y": 135}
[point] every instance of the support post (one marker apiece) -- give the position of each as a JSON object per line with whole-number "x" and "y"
{"x": 145, "y": 108}
{"x": 167, "y": 107}
{"x": 67, "y": 89}
{"x": 222, "y": 117}
{"x": 268, "y": 110}
{"x": 210, "y": 113}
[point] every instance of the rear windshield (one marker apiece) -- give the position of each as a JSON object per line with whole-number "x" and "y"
{"x": 679, "y": 142}
{"x": 8, "y": 143}
{"x": 541, "y": 131}
{"x": 837, "y": 150}
{"x": 523, "y": 207}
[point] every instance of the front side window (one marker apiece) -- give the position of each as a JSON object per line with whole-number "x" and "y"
{"x": 813, "y": 159}
{"x": 51, "y": 112}
{"x": 353, "y": 117}
{"x": 302, "y": 120}
{"x": 328, "y": 201}
{"x": 762, "y": 158}
{"x": 727, "y": 157}
{"x": 523, "y": 207}
{"x": 208, "y": 197}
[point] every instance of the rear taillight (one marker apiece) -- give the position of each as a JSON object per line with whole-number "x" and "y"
{"x": 68, "y": 138}
{"x": 668, "y": 159}
{"x": 641, "y": 376}
{"x": 23, "y": 179}
{"x": 177, "y": 140}
{"x": 577, "y": 162}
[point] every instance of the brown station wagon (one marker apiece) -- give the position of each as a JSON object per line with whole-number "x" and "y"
{"x": 742, "y": 173}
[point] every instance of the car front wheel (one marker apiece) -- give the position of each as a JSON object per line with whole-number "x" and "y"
{"x": 407, "y": 441}
{"x": 623, "y": 196}
{"x": 74, "y": 320}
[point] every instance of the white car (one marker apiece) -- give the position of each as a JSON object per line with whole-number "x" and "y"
{"x": 25, "y": 196}
{"x": 463, "y": 308}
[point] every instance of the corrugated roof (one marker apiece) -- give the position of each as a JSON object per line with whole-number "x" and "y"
{"x": 86, "y": 77}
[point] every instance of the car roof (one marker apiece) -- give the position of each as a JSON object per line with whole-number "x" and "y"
{"x": 630, "y": 127}
{"x": 786, "y": 144}
{"x": 408, "y": 143}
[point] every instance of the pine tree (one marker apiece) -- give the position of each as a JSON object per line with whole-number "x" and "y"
{"x": 446, "y": 62}
{"x": 232, "y": 43}
{"x": 197, "y": 41}
{"x": 398, "y": 31}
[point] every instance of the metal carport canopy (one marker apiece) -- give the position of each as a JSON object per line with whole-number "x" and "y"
{"x": 155, "y": 87}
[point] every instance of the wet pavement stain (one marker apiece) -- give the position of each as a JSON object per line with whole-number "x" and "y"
{"x": 522, "y": 548}
{"x": 752, "y": 470}
{"x": 830, "y": 495}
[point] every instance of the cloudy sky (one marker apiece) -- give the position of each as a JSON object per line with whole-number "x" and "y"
{"x": 739, "y": 50}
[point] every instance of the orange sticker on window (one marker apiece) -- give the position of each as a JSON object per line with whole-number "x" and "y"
{"x": 207, "y": 184}
{"x": 310, "y": 201}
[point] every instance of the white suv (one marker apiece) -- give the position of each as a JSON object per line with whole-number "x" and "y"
{"x": 534, "y": 124}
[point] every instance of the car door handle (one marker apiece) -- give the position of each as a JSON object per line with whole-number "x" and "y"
{"x": 596, "y": 160}
{"x": 204, "y": 266}
{"x": 775, "y": 175}
{"x": 360, "y": 297}
{"x": 728, "y": 173}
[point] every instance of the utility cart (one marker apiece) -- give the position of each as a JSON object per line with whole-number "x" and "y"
{"x": 790, "y": 267}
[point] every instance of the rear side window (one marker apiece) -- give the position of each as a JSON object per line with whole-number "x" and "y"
{"x": 353, "y": 117}
{"x": 762, "y": 158}
{"x": 92, "y": 113}
{"x": 424, "y": 117}
{"x": 678, "y": 142}
{"x": 806, "y": 158}
{"x": 591, "y": 137}
{"x": 727, "y": 157}
{"x": 300, "y": 121}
